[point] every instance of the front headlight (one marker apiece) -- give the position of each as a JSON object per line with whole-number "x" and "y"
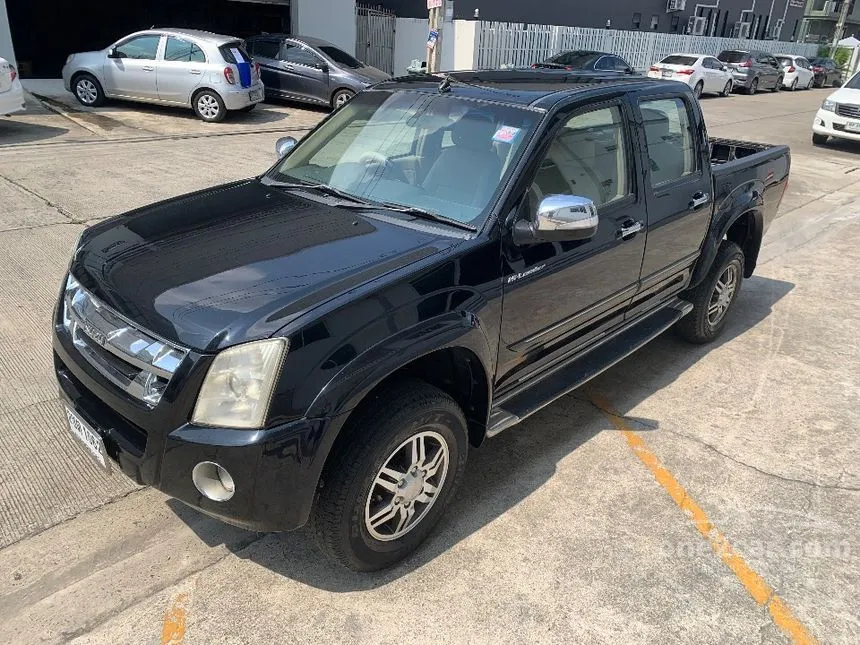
{"x": 829, "y": 106}
{"x": 69, "y": 58}
{"x": 239, "y": 384}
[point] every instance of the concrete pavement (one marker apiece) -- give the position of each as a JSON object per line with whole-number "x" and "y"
{"x": 561, "y": 533}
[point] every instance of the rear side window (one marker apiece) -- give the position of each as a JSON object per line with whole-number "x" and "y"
{"x": 139, "y": 48}
{"x": 183, "y": 51}
{"x": 587, "y": 158}
{"x": 679, "y": 60}
{"x": 265, "y": 48}
{"x": 235, "y": 52}
{"x": 671, "y": 146}
{"x": 733, "y": 56}
{"x": 785, "y": 61}
{"x": 713, "y": 63}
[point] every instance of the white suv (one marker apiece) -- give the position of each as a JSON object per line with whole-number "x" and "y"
{"x": 11, "y": 92}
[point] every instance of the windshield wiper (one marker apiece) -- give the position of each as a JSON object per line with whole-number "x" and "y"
{"x": 325, "y": 189}
{"x": 427, "y": 214}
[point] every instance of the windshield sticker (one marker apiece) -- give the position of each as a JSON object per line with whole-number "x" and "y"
{"x": 237, "y": 55}
{"x": 506, "y": 134}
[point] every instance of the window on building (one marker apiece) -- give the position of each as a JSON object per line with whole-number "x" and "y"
{"x": 794, "y": 31}
{"x": 673, "y": 26}
{"x": 183, "y": 51}
{"x": 655, "y": 21}
{"x": 637, "y": 20}
{"x": 725, "y": 23}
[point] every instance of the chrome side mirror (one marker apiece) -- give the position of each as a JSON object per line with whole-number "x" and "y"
{"x": 284, "y": 145}
{"x": 560, "y": 218}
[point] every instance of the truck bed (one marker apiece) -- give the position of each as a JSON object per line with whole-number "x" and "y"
{"x": 725, "y": 150}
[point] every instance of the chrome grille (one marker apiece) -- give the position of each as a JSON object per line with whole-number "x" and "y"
{"x": 132, "y": 359}
{"x": 846, "y": 109}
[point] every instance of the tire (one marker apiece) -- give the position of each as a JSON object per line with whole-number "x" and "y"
{"x": 793, "y": 87}
{"x": 380, "y": 437}
{"x": 727, "y": 90}
{"x": 753, "y": 88}
{"x": 88, "y": 90}
{"x": 778, "y": 86}
{"x": 819, "y": 139}
{"x": 697, "y": 91}
{"x": 340, "y": 98}
{"x": 704, "y": 323}
{"x": 837, "y": 82}
{"x": 208, "y": 106}
{"x": 809, "y": 84}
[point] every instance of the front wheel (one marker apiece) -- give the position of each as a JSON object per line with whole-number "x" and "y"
{"x": 341, "y": 97}
{"x": 727, "y": 90}
{"x": 209, "y": 107}
{"x": 697, "y": 91}
{"x": 88, "y": 90}
{"x": 819, "y": 139}
{"x": 714, "y": 296}
{"x": 386, "y": 486}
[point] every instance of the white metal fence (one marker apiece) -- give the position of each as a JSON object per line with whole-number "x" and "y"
{"x": 374, "y": 37}
{"x": 501, "y": 44}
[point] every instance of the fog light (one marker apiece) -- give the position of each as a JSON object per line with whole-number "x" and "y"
{"x": 213, "y": 481}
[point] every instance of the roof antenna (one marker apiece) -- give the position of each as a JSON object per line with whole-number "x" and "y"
{"x": 445, "y": 85}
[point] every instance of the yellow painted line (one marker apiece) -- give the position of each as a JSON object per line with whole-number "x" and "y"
{"x": 755, "y": 585}
{"x": 173, "y": 627}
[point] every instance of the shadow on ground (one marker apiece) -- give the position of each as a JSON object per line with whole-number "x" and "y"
{"x": 507, "y": 469}
{"x": 14, "y": 132}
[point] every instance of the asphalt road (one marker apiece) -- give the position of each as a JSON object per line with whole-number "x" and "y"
{"x": 707, "y": 494}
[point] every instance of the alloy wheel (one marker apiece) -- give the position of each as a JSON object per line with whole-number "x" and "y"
{"x": 724, "y": 292}
{"x": 86, "y": 91}
{"x": 208, "y": 106}
{"x": 407, "y": 486}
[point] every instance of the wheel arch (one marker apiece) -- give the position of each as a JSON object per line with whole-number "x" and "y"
{"x": 746, "y": 229}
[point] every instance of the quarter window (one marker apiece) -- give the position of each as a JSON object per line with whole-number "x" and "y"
{"x": 139, "y": 48}
{"x": 587, "y": 158}
{"x": 671, "y": 146}
{"x": 183, "y": 51}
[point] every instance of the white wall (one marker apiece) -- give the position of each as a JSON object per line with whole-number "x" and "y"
{"x": 410, "y": 42}
{"x": 458, "y": 44}
{"x": 6, "y": 50}
{"x": 331, "y": 20}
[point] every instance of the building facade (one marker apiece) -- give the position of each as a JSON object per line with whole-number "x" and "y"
{"x": 40, "y": 37}
{"x": 820, "y": 20}
{"x": 762, "y": 19}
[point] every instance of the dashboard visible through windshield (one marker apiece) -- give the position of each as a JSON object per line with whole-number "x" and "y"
{"x": 434, "y": 152}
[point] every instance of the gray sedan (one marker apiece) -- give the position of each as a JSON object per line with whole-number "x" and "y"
{"x": 207, "y": 72}
{"x": 310, "y": 70}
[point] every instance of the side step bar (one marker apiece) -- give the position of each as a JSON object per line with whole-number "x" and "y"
{"x": 585, "y": 367}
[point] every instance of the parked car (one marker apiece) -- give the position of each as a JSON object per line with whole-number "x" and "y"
{"x": 11, "y": 92}
{"x": 328, "y": 339}
{"x": 839, "y": 115}
{"x": 310, "y": 70}
{"x": 586, "y": 61}
{"x": 826, "y": 72}
{"x": 753, "y": 70}
{"x": 702, "y": 73}
{"x": 797, "y": 72}
{"x": 210, "y": 73}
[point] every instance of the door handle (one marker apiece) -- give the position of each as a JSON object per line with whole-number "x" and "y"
{"x": 147, "y": 68}
{"x": 287, "y": 66}
{"x": 630, "y": 229}
{"x": 194, "y": 71}
{"x": 699, "y": 199}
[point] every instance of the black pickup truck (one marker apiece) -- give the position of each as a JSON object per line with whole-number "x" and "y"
{"x": 433, "y": 263}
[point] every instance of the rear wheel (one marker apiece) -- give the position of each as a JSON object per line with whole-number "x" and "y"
{"x": 697, "y": 91}
{"x": 388, "y": 484}
{"x": 714, "y": 297}
{"x": 819, "y": 139}
{"x": 809, "y": 84}
{"x": 209, "y": 107}
{"x": 88, "y": 90}
{"x": 727, "y": 89}
{"x": 793, "y": 85}
{"x": 753, "y": 88}
{"x": 837, "y": 82}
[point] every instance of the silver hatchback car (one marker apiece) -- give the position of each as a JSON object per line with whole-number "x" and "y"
{"x": 207, "y": 72}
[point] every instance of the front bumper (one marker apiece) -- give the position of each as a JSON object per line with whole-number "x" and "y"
{"x": 833, "y": 125}
{"x": 237, "y": 98}
{"x": 275, "y": 470}
{"x": 12, "y": 100}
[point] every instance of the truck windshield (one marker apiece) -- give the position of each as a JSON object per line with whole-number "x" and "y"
{"x": 434, "y": 152}
{"x": 854, "y": 82}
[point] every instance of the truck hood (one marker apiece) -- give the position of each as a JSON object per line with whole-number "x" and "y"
{"x": 237, "y": 262}
{"x": 371, "y": 74}
{"x": 846, "y": 95}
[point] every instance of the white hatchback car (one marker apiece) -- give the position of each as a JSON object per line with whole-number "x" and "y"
{"x": 11, "y": 92}
{"x": 839, "y": 115}
{"x": 701, "y": 72}
{"x": 798, "y": 73}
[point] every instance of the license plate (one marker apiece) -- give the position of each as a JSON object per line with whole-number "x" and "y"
{"x": 667, "y": 73}
{"x": 89, "y": 438}
{"x": 852, "y": 126}
{"x": 255, "y": 95}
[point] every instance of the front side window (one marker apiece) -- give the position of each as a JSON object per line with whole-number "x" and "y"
{"x": 388, "y": 147}
{"x": 671, "y": 146}
{"x": 300, "y": 56}
{"x": 139, "y": 47}
{"x": 340, "y": 57}
{"x": 587, "y": 158}
{"x": 183, "y": 51}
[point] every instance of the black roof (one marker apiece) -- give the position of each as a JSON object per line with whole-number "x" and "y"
{"x": 539, "y": 88}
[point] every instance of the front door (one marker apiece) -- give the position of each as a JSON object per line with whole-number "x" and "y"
{"x": 678, "y": 189}
{"x": 303, "y": 73}
{"x": 131, "y": 73}
{"x": 179, "y": 70}
{"x": 556, "y": 293}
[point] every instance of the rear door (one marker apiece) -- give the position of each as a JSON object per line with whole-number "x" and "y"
{"x": 266, "y": 51}
{"x": 179, "y": 70}
{"x": 769, "y": 69}
{"x": 132, "y": 73}
{"x": 677, "y": 188}
{"x": 714, "y": 73}
{"x": 305, "y": 72}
